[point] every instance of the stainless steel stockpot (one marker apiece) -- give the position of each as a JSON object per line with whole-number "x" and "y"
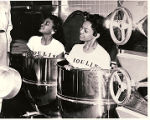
{"x": 82, "y": 92}
{"x": 40, "y": 78}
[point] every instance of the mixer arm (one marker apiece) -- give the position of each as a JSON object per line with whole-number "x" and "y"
{"x": 121, "y": 25}
{"x": 120, "y": 86}
{"x": 141, "y": 84}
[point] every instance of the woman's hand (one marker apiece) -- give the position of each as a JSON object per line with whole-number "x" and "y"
{"x": 68, "y": 67}
{"x": 60, "y": 56}
{"x": 96, "y": 69}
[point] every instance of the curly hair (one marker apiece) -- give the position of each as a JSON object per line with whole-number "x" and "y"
{"x": 57, "y": 26}
{"x": 57, "y": 22}
{"x": 97, "y": 23}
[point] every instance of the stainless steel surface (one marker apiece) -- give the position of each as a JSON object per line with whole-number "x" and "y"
{"x": 83, "y": 93}
{"x": 40, "y": 70}
{"x": 39, "y": 76}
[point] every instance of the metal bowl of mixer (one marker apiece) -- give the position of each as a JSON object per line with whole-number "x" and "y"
{"x": 83, "y": 93}
{"x": 40, "y": 79}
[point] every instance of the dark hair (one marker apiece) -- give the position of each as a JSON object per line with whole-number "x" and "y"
{"x": 57, "y": 26}
{"x": 105, "y": 39}
{"x": 97, "y": 23}
{"x": 56, "y": 21}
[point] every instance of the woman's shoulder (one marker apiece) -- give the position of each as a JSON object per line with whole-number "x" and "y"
{"x": 55, "y": 41}
{"x": 102, "y": 50}
{"x": 78, "y": 46}
{"x": 58, "y": 44}
{"x": 35, "y": 39}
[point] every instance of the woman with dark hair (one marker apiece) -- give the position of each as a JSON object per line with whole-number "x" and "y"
{"x": 46, "y": 45}
{"x": 88, "y": 60}
{"x": 90, "y": 54}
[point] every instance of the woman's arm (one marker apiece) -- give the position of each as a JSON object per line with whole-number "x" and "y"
{"x": 60, "y": 56}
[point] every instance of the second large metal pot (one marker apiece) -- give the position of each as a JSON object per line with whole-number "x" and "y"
{"x": 83, "y": 93}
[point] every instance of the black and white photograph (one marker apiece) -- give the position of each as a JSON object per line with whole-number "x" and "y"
{"x": 74, "y": 59}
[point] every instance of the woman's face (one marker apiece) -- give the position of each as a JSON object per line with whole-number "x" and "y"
{"x": 46, "y": 26}
{"x": 86, "y": 32}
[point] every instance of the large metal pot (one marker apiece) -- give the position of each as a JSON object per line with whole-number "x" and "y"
{"x": 83, "y": 93}
{"x": 39, "y": 76}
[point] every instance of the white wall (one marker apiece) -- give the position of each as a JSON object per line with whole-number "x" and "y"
{"x": 138, "y": 8}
